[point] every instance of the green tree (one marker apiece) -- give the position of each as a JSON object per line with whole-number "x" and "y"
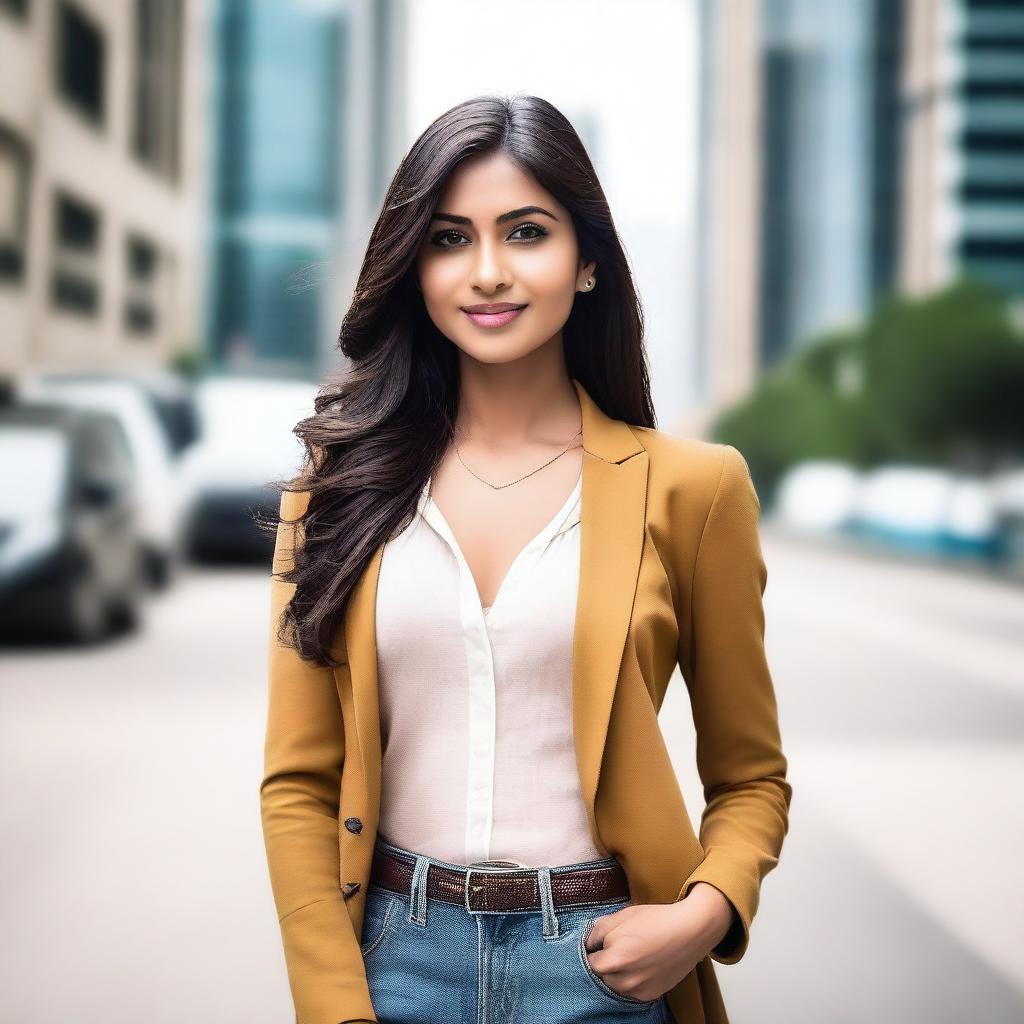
{"x": 936, "y": 380}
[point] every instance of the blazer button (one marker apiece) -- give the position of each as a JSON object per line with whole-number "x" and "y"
{"x": 349, "y": 888}
{"x": 354, "y": 825}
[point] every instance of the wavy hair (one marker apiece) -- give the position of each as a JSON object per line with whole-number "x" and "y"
{"x": 382, "y": 425}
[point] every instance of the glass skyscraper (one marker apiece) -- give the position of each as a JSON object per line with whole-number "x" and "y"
{"x": 830, "y": 172}
{"x": 990, "y": 240}
{"x": 277, "y": 180}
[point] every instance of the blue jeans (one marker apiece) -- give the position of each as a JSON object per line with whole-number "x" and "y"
{"x": 429, "y": 961}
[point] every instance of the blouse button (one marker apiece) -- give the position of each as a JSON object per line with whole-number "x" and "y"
{"x": 354, "y": 825}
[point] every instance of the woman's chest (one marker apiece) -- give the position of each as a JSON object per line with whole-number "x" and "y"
{"x": 428, "y": 612}
{"x": 439, "y": 652}
{"x": 428, "y": 606}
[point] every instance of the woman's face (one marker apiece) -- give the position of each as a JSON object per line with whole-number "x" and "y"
{"x": 498, "y": 238}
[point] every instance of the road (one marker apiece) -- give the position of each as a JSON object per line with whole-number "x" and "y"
{"x": 135, "y": 878}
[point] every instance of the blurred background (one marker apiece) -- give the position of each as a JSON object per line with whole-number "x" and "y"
{"x": 823, "y": 204}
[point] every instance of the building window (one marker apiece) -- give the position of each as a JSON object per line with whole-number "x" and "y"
{"x": 157, "y": 85}
{"x": 142, "y": 277}
{"x": 14, "y": 176}
{"x": 81, "y": 62}
{"x": 75, "y": 285}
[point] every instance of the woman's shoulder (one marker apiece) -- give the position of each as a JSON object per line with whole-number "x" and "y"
{"x": 692, "y": 483}
{"x": 693, "y": 471}
{"x": 679, "y": 456}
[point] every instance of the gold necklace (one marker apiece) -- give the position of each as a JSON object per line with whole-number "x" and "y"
{"x": 498, "y": 487}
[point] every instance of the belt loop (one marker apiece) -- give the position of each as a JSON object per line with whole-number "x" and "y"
{"x": 547, "y": 903}
{"x": 418, "y": 891}
{"x": 467, "y": 887}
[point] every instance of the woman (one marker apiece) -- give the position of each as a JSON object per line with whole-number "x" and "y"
{"x": 484, "y": 579}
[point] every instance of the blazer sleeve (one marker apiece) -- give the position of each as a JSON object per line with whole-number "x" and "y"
{"x": 739, "y": 751}
{"x": 299, "y": 799}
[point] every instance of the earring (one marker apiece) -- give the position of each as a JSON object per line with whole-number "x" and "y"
{"x": 589, "y": 283}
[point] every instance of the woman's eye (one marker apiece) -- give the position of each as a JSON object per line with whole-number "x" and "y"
{"x": 540, "y": 232}
{"x": 448, "y": 239}
{"x": 438, "y": 239}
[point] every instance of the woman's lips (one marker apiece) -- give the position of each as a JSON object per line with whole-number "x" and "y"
{"x": 494, "y": 319}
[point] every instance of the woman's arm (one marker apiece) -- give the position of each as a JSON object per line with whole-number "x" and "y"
{"x": 299, "y": 797}
{"x": 739, "y": 751}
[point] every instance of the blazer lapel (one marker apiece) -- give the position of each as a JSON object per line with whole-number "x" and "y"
{"x": 611, "y": 545}
{"x": 361, "y": 643}
{"x": 614, "y": 505}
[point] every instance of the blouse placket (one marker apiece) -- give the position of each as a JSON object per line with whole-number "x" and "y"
{"x": 480, "y": 664}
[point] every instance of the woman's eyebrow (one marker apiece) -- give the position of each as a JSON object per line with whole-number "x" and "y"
{"x": 511, "y": 215}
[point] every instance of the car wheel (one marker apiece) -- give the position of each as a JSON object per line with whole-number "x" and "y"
{"x": 124, "y": 613}
{"x": 85, "y": 616}
{"x": 158, "y": 567}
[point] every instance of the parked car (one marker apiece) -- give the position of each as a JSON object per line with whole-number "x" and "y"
{"x": 971, "y": 525}
{"x": 246, "y": 442}
{"x": 817, "y": 496}
{"x": 160, "y": 496}
{"x": 1008, "y": 488}
{"x": 168, "y": 393}
{"x": 69, "y": 540}
{"x": 929, "y": 509}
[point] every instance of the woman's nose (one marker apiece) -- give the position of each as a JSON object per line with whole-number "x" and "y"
{"x": 488, "y": 270}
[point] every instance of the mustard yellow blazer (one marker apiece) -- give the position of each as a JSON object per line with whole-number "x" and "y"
{"x": 671, "y": 572}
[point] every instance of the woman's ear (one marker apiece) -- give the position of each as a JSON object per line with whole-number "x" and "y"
{"x": 586, "y": 278}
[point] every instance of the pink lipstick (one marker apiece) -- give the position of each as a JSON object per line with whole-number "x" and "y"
{"x": 493, "y": 314}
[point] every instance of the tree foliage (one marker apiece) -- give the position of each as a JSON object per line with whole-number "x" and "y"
{"x": 937, "y": 380}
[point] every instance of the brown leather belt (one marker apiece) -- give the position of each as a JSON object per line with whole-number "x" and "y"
{"x": 501, "y": 891}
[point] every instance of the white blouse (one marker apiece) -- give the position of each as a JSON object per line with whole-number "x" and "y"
{"x": 476, "y": 704}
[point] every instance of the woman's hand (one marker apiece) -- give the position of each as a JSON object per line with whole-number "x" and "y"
{"x": 643, "y": 951}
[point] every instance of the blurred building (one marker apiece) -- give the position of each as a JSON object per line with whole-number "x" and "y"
{"x": 307, "y": 104}
{"x": 829, "y": 136}
{"x": 964, "y": 188}
{"x": 726, "y": 306}
{"x": 799, "y": 193}
{"x": 100, "y": 180}
{"x": 849, "y": 148}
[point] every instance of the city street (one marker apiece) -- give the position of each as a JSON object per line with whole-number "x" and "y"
{"x": 136, "y": 880}
{"x": 235, "y": 234}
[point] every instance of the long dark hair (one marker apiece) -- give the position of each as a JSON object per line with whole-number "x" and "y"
{"x": 382, "y": 426}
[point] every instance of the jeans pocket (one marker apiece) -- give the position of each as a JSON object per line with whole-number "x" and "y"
{"x": 597, "y": 981}
{"x": 378, "y": 919}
